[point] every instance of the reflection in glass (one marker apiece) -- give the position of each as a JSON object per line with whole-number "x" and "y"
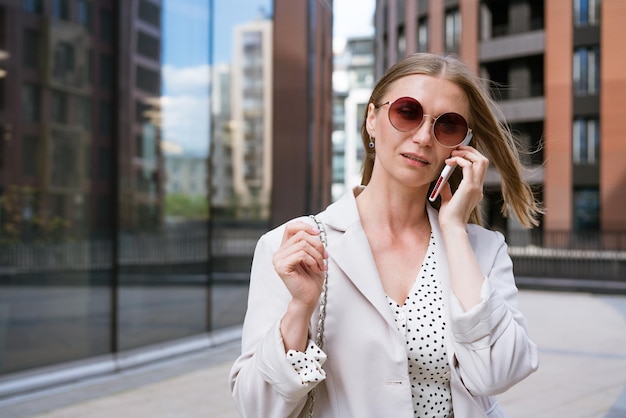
{"x": 241, "y": 150}
{"x": 162, "y": 246}
{"x": 55, "y": 254}
{"x": 135, "y": 172}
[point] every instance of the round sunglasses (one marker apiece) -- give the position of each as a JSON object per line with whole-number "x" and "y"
{"x": 406, "y": 114}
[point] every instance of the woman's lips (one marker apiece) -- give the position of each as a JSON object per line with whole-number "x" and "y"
{"x": 416, "y": 158}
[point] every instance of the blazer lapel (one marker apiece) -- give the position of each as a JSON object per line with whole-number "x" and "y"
{"x": 353, "y": 255}
{"x": 349, "y": 248}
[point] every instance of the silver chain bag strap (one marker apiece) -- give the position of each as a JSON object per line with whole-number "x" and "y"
{"x": 319, "y": 339}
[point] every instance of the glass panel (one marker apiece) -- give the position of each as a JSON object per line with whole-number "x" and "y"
{"x": 593, "y": 82}
{"x": 580, "y": 12}
{"x": 31, "y": 49}
{"x": 422, "y": 35}
{"x": 593, "y": 139}
{"x": 453, "y": 30}
{"x": 32, "y": 6}
{"x": 60, "y": 9}
{"x": 586, "y": 70}
{"x": 108, "y": 156}
{"x": 85, "y": 11}
{"x": 580, "y": 141}
{"x": 586, "y": 209}
{"x": 240, "y": 149}
{"x": 55, "y": 256}
{"x": 586, "y": 12}
{"x": 586, "y": 141}
{"x": 163, "y": 243}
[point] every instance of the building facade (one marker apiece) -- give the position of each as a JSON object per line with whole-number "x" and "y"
{"x": 251, "y": 118}
{"x": 302, "y": 108}
{"x": 554, "y": 68}
{"x": 136, "y": 136}
{"x": 353, "y": 80}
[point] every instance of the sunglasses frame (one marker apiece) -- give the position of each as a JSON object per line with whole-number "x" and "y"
{"x": 424, "y": 115}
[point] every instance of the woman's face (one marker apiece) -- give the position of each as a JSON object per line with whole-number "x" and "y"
{"x": 414, "y": 158}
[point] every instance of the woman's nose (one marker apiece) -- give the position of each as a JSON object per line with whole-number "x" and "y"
{"x": 425, "y": 132}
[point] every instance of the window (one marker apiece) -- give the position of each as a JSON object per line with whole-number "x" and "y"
{"x": 586, "y": 69}
{"x": 30, "y": 49}
{"x": 105, "y": 118}
{"x": 30, "y": 155}
{"x": 586, "y": 141}
{"x": 106, "y": 70}
{"x": 31, "y": 100}
{"x": 141, "y": 111}
{"x": 148, "y": 80}
{"x": 422, "y": 35}
{"x": 32, "y": 6}
{"x": 85, "y": 13}
{"x": 84, "y": 113}
{"x": 64, "y": 61}
{"x": 453, "y": 30}
{"x": 104, "y": 163}
{"x": 87, "y": 161}
{"x": 586, "y": 12}
{"x": 90, "y": 63}
{"x": 106, "y": 25}
{"x": 587, "y": 209}
{"x": 401, "y": 47}
{"x": 148, "y": 46}
{"x": 150, "y": 13}
{"x": 65, "y": 157}
{"x": 61, "y": 9}
{"x": 58, "y": 107}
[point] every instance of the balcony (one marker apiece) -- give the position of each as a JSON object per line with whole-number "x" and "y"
{"x": 513, "y": 46}
{"x": 523, "y": 110}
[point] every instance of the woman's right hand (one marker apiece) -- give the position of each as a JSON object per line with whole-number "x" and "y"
{"x": 300, "y": 261}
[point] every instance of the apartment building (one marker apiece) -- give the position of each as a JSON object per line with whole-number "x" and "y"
{"x": 353, "y": 80}
{"x": 556, "y": 71}
{"x": 251, "y": 117}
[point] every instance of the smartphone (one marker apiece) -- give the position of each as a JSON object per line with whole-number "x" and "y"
{"x": 446, "y": 172}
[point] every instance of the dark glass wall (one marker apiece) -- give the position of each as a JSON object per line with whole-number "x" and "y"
{"x": 56, "y": 181}
{"x": 135, "y": 171}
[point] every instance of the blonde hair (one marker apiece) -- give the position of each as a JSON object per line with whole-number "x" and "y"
{"x": 492, "y": 136}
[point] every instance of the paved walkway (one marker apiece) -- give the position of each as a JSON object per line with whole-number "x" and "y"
{"x": 582, "y": 340}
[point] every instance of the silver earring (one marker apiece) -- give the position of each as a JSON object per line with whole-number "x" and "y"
{"x": 371, "y": 144}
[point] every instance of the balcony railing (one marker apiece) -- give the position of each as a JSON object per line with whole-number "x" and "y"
{"x": 591, "y": 260}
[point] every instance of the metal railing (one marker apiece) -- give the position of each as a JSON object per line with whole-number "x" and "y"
{"x": 599, "y": 257}
{"x": 169, "y": 247}
{"x": 590, "y": 256}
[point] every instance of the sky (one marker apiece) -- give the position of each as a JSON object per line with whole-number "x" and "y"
{"x": 186, "y": 64}
{"x": 352, "y": 18}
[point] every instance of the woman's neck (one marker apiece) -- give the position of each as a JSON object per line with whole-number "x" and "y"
{"x": 394, "y": 209}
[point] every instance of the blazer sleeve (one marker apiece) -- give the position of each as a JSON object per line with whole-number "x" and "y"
{"x": 262, "y": 381}
{"x": 492, "y": 348}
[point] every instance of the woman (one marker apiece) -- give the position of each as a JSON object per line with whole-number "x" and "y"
{"x": 421, "y": 314}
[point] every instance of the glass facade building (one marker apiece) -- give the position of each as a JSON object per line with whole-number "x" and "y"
{"x": 135, "y": 173}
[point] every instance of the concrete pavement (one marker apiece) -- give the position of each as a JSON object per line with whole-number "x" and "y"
{"x": 582, "y": 340}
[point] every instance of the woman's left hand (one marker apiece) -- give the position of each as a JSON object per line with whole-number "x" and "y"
{"x": 456, "y": 209}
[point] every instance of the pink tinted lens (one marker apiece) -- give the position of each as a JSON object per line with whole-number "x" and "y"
{"x": 406, "y": 114}
{"x": 450, "y": 129}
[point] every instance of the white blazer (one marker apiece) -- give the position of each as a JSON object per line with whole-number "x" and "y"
{"x": 367, "y": 370}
